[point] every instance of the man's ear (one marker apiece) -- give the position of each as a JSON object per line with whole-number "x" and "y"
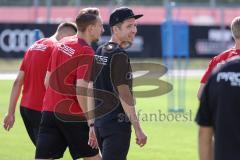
{"x": 115, "y": 29}
{"x": 90, "y": 28}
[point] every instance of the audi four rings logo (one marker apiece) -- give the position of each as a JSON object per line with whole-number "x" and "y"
{"x": 17, "y": 40}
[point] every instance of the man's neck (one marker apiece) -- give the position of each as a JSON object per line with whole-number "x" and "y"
{"x": 115, "y": 40}
{"x": 122, "y": 44}
{"x": 84, "y": 37}
{"x": 237, "y": 44}
{"x": 55, "y": 37}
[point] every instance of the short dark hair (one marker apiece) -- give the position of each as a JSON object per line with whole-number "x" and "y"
{"x": 119, "y": 25}
{"x": 86, "y": 17}
{"x": 67, "y": 24}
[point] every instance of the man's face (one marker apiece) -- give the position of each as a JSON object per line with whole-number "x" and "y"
{"x": 127, "y": 30}
{"x": 97, "y": 30}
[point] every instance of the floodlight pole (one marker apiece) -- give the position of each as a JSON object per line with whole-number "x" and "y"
{"x": 49, "y": 5}
{"x": 212, "y": 3}
{"x": 168, "y": 10}
{"x": 120, "y": 2}
{"x": 36, "y": 6}
{"x": 78, "y": 4}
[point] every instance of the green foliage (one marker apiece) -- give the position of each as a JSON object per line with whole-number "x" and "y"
{"x": 110, "y": 2}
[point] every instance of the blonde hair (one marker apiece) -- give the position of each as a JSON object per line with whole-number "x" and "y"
{"x": 235, "y": 28}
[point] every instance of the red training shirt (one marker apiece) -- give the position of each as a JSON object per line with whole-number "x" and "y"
{"x": 217, "y": 60}
{"x": 69, "y": 62}
{"x": 34, "y": 65}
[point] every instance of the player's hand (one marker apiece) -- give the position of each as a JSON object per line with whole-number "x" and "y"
{"x": 8, "y": 121}
{"x": 92, "y": 141}
{"x": 141, "y": 138}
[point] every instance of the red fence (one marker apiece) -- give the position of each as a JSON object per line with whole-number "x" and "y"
{"x": 152, "y": 15}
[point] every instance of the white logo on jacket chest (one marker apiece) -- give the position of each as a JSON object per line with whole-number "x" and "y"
{"x": 101, "y": 59}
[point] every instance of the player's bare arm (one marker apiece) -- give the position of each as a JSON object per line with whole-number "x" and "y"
{"x": 46, "y": 80}
{"x": 87, "y": 103}
{"x": 16, "y": 90}
{"x": 200, "y": 90}
{"x": 127, "y": 102}
{"x": 205, "y": 143}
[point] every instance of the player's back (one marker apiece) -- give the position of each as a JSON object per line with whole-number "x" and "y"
{"x": 34, "y": 65}
{"x": 65, "y": 67}
{"x": 224, "y": 88}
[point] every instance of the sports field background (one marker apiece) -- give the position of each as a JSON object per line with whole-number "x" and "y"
{"x": 166, "y": 140}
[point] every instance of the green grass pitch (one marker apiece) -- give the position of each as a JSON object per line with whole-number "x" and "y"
{"x": 167, "y": 140}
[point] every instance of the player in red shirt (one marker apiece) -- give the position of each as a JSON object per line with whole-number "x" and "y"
{"x": 63, "y": 121}
{"x": 224, "y": 56}
{"x": 31, "y": 77}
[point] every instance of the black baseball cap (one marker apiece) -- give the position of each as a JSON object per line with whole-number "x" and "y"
{"x": 121, "y": 14}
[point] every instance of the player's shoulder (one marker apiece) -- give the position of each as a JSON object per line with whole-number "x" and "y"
{"x": 74, "y": 41}
{"x": 233, "y": 62}
{"x": 42, "y": 40}
{"x": 225, "y": 54}
{"x": 230, "y": 65}
{"x": 40, "y": 45}
{"x": 111, "y": 47}
{"x": 70, "y": 42}
{"x": 69, "y": 39}
{"x": 49, "y": 42}
{"x": 86, "y": 49}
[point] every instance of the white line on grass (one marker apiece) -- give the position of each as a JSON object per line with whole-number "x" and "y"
{"x": 177, "y": 73}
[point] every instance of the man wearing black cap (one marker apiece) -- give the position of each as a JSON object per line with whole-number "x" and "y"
{"x": 114, "y": 107}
